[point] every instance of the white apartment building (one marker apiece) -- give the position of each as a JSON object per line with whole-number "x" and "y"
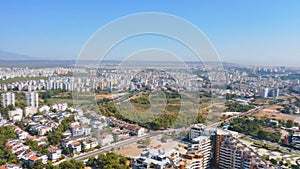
{"x": 192, "y": 161}
{"x": 8, "y": 99}
{"x": 54, "y": 153}
{"x": 264, "y": 92}
{"x": 202, "y": 145}
{"x": 15, "y": 115}
{"x": 196, "y": 131}
{"x": 32, "y": 99}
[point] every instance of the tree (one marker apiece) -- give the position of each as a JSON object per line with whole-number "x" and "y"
{"x": 295, "y": 166}
{"x": 281, "y": 163}
{"x": 91, "y": 161}
{"x": 289, "y": 124}
{"x": 109, "y": 161}
{"x": 66, "y": 151}
{"x": 261, "y": 134}
{"x": 20, "y": 124}
{"x": 273, "y": 161}
{"x": 72, "y": 164}
{"x": 6, "y": 156}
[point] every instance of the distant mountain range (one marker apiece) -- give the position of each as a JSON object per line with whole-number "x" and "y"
{"x": 14, "y": 59}
{"x": 14, "y": 56}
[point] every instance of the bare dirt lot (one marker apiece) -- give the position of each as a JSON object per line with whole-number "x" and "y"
{"x": 273, "y": 113}
{"x": 135, "y": 150}
{"x": 108, "y": 96}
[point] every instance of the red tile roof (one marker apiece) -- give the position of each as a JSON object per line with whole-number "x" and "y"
{"x": 33, "y": 158}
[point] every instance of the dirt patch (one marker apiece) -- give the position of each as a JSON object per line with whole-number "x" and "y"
{"x": 135, "y": 150}
{"x": 275, "y": 107}
{"x": 109, "y": 96}
{"x": 273, "y": 114}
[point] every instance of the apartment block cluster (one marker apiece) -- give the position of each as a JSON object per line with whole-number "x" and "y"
{"x": 241, "y": 82}
{"x": 17, "y": 72}
{"x": 32, "y": 102}
{"x": 109, "y": 80}
{"x": 208, "y": 148}
{"x": 32, "y": 99}
{"x": 269, "y": 93}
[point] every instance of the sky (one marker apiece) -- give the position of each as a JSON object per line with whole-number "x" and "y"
{"x": 246, "y": 32}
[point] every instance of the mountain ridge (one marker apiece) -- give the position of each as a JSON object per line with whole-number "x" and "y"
{"x": 4, "y": 55}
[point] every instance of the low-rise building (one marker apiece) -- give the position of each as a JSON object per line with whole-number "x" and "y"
{"x": 67, "y": 141}
{"x": 54, "y": 153}
{"x": 105, "y": 139}
{"x": 75, "y": 147}
{"x": 15, "y": 115}
{"x": 153, "y": 158}
{"x": 30, "y": 111}
{"x": 22, "y": 135}
{"x": 120, "y": 134}
{"x": 90, "y": 143}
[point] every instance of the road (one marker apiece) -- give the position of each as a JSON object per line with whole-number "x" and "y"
{"x": 116, "y": 145}
{"x": 237, "y": 116}
{"x": 133, "y": 140}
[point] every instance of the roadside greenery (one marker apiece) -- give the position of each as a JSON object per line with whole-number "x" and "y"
{"x": 256, "y": 128}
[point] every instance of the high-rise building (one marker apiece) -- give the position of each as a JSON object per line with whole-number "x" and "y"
{"x": 196, "y": 131}
{"x": 264, "y": 92}
{"x": 32, "y": 99}
{"x": 217, "y": 139}
{"x": 8, "y": 99}
{"x": 192, "y": 160}
{"x": 229, "y": 152}
{"x": 201, "y": 145}
{"x": 236, "y": 155}
{"x": 274, "y": 93}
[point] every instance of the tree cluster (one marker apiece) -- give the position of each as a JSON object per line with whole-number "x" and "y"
{"x": 108, "y": 161}
{"x": 256, "y": 128}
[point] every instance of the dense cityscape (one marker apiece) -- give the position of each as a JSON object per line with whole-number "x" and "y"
{"x": 150, "y": 84}
{"x": 43, "y": 126}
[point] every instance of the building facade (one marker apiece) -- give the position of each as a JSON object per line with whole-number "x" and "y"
{"x": 32, "y": 99}
{"x": 8, "y": 99}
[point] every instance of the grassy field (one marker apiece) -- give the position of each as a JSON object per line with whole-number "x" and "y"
{"x": 181, "y": 108}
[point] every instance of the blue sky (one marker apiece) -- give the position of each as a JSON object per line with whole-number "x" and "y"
{"x": 248, "y": 32}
